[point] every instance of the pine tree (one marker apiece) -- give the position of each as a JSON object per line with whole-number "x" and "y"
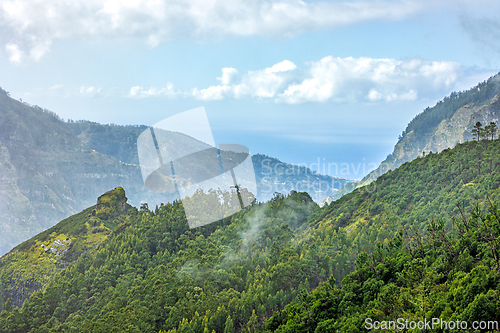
{"x": 8, "y": 305}
{"x": 493, "y": 129}
{"x": 478, "y": 130}
{"x": 229, "y": 326}
{"x": 252, "y": 323}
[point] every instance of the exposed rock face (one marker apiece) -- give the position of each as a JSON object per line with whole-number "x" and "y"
{"x": 16, "y": 211}
{"x": 111, "y": 204}
{"x": 58, "y": 247}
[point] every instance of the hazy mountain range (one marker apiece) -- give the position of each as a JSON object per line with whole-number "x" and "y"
{"x": 51, "y": 169}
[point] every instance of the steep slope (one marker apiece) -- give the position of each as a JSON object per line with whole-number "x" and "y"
{"x": 112, "y": 140}
{"x": 449, "y": 122}
{"x": 156, "y": 274}
{"x": 273, "y": 176}
{"x": 46, "y": 173}
{"x": 30, "y": 265}
{"x": 437, "y": 282}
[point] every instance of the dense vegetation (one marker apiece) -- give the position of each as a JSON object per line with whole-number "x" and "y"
{"x": 260, "y": 269}
{"x": 450, "y": 276}
{"x": 428, "y": 187}
{"x": 153, "y": 273}
{"x": 156, "y": 272}
{"x": 31, "y": 264}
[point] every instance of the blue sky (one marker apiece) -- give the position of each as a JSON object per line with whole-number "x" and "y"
{"x": 299, "y": 80}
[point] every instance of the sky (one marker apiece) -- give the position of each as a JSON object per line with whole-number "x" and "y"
{"x": 310, "y": 82}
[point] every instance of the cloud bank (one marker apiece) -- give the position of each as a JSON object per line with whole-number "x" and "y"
{"x": 29, "y": 27}
{"x": 338, "y": 80}
{"x": 330, "y": 79}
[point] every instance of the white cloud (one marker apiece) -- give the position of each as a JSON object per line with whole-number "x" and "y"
{"x": 264, "y": 83}
{"x": 141, "y": 92}
{"x": 227, "y": 75}
{"x": 283, "y": 66}
{"x": 28, "y": 27}
{"x": 214, "y": 93}
{"x": 339, "y": 80}
{"x": 90, "y": 91}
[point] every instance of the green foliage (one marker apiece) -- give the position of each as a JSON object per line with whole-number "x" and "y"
{"x": 440, "y": 276}
{"x": 157, "y": 274}
{"x": 278, "y": 265}
{"x": 30, "y": 265}
{"x": 478, "y": 131}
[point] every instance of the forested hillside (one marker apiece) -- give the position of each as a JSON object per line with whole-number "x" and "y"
{"x": 449, "y": 279}
{"x": 257, "y": 270}
{"x": 442, "y": 126}
{"x": 30, "y": 265}
{"x": 112, "y": 140}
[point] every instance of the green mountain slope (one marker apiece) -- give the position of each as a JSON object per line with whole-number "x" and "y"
{"x": 157, "y": 275}
{"x": 433, "y": 282}
{"x": 440, "y": 127}
{"x": 30, "y": 265}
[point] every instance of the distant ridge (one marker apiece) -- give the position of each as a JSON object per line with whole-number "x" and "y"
{"x": 440, "y": 127}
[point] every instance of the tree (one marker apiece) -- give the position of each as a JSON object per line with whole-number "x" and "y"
{"x": 229, "y": 326}
{"x": 492, "y": 129}
{"x": 478, "y": 130}
{"x": 252, "y": 323}
{"x": 8, "y": 305}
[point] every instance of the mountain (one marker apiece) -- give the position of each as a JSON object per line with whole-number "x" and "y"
{"x": 440, "y": 127}
{"x": 119, "y": 142}
{"x": 278, "y": 266}
{"x": 272, "y": 175}
{"x": 47, "y": 173}
{"x": 31, "y": 264}
{"x": 51, "y": 169}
